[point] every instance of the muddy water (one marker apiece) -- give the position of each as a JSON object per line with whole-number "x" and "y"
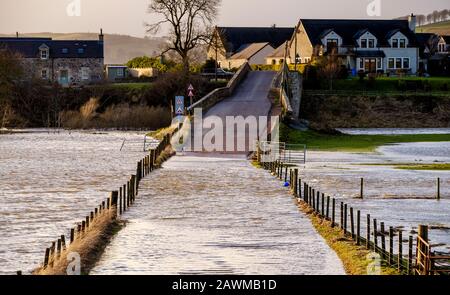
{"x": 216, "y": 215}
{"x": 49, "y": 181}
{"x": 398, "y": 197}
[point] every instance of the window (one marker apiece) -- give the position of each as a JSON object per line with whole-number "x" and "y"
{"x": 406, "y": 63}
{"x": 85, "y": 73}
{"x": 402, "y": 43}
{"x": 371, "y": 43}
{"x": 119, "y": 72}
{"x": 65, "y": 50}
{"x": 398, "y": 63}
{"x": 441, "y": 47}
{"x": 379, "y": 63}
{"x": 44, "y": 54}
{"x": 332, "y": 44}
{"x": 307, "y": 60}
{"x": 391, "y": 63}
{"x": 394, "y": 43}
{"x": 363, "y": 43}
{"x": 80, "y": 50}
{"x": 44, "y": 74}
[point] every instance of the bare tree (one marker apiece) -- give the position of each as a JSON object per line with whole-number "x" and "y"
{"x": 435, "y": 15}
{"x": 189, "y": 21}
{"x": 429, "y": 18}
{"x": 421, "y": 19}
{"x": 329, "y": 66}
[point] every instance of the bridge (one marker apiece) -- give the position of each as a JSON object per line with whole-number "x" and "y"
{"x": 210, "y": 212}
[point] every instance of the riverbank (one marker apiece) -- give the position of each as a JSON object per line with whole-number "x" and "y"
{"x": 351, "y": 143}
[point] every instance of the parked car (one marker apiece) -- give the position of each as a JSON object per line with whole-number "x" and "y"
{"x": 220, "y": 73}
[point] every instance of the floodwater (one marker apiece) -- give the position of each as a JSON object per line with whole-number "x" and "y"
{"x": 203, "y": 215}
{"x": 49, "y": 181}
{"x": 400, "y": 198}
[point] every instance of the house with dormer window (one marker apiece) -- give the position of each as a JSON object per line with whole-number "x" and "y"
{"x": 67, "y": 62}
{"x": 372, "y": 46}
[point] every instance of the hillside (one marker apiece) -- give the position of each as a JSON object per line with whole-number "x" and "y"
{"x": 118, "y": 48}
{"x": 441, "y": 28}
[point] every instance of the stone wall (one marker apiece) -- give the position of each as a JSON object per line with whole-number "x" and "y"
{"x": 80, "y": 70}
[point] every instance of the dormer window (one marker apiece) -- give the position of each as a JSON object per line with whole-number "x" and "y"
{"x": 332, "y": 44}
{"x": 80, "y": 50}
{"x": 398, "y": 43}
{"x": 44, "y": 51}
{"x": 402, "y": 43}
{"x": 65, "y": 50}
{"x": 371, "y": 43}
{"x": 363, "y": 43}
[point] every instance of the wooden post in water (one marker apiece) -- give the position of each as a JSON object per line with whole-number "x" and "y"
{"x": 52, "y": 253}
{"x": 352, "y": 223}
{"x": 358, "y": 227}
{"x": 383, "y": 240}
{"x": 368, "y": 232}
{"x": 92, "y": 216}
{"x": 305, "y": 192}
{"x": 83, "y": 225}
{"x": 391, "y": 245}
{"x": 58, "y": 249}
{"x": 63, "y": 242}
{"x": 361, "y": 194}
{"x": 124, "y": 197}
{"x": 87, "y": 222}
{"x": 410, "y": 256}
{"x": 333, "y": 214}
{"x": 128, "y": 194}
{"x": 400, "y": 251}
{"x": 438, "y": 193}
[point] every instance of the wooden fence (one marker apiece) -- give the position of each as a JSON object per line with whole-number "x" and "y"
{"x": 116, "y": 204}
{"x": 394, "y": 248}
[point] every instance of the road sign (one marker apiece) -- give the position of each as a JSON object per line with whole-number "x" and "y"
{"x": 191, "y": 94}
{"x": 179, "y": 105}
{"x": 191, "y": 88}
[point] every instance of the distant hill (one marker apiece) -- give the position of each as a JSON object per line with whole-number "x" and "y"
{"x": 118, "y": 48}
{"x": 441, "y": 28}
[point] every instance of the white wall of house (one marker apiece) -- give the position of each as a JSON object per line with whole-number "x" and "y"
{"x": 260, "y": 57}
{"x": 401, "y": 53}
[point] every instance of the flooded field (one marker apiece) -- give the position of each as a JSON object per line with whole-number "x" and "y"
{"x": 201, "y": 215}
{"x": 400, "y": 198}
{"x": 49, "y": 181}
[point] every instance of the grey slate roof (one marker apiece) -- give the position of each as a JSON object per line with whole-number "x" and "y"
{"x": 236, "y": 38}
{"x": 351, "y": 29}
{"x": 29, "y": 47}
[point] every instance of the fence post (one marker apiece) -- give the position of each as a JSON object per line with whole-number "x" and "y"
{"x": 375, "y": 235}
{"x": 333, "y": 214}
{"x": 120, "y": 200}
{"x": 327, "y": 216}
{"x": 305, "y": 192}
{"x": 63, "y": 242}
{"x": 368, "y": 232}
{"x": 438, "y": 195}
{"x": 296, "y": 181}
{"x": 383, "y": 240}
{"x": 358, "y": 227}
{"x": 318, "y": 203}
{"x": 410, "y": 255}
{"x": 299, "y": 188}
{"x": 342, "y": 215}
{"x": 361, "y": 195}
{"x": 400, "y": 250}
{"x": 352, "y": 223}
{"x": 423, "y": 233}
{"x": 72, "y": 235}
{"x": 46, "y": 257}
{"x": 323, "y": 205}
{"x": 345, "y": 219}
{"x": 391, "y": 245}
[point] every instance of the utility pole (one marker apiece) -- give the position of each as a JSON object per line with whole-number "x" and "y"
{"x": 295, "y": 46}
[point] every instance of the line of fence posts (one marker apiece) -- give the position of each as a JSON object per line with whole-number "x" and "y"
{"x": 116, "y": 204}
{"x": 324, "y": 206}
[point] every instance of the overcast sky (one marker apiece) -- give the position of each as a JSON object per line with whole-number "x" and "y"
{"x": 128, "y": 16}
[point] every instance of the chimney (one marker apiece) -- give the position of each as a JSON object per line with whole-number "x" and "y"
{"x": 412, "y": 20}
{"x": 17, "y": 35}
{"x": 101, "y": 36}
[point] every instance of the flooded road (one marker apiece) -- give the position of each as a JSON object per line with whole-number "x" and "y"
{"x": 204, "y": 215}
{"x": 49, "y": 181}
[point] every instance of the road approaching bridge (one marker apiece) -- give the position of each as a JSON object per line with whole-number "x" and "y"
{"x": 203, "y": 215}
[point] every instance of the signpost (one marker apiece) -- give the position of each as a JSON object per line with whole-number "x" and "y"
{"x": 191, "y": 93}
{"x": 179, "y": 105}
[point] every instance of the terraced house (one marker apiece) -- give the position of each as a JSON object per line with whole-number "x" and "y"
{"x": 68, "y": 62}
{"x": 372, "y": 46}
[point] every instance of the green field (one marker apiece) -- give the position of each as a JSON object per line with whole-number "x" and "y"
{"x": 351, "y": 143}
{"x": 442, "y": 28}
{"x": 132, "y": 86}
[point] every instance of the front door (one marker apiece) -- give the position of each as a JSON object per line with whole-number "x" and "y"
{"x": 370, "y": 65}
{"x": 64, "y": 77}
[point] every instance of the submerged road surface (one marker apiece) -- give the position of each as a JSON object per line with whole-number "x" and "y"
{"x": 206, "y": 215}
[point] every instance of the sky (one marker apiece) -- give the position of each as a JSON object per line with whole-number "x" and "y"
{"x": 128, "y": 16}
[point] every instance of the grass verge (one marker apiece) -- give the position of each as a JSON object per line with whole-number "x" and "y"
{"x": 352, "y": 256}
{"x": 89, "y": 246}
{"x": 352, "y": 143}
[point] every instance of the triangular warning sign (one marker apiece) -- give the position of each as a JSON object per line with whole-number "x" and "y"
{"x": 191, "y": 93}
{"x": 190, "y": 88}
